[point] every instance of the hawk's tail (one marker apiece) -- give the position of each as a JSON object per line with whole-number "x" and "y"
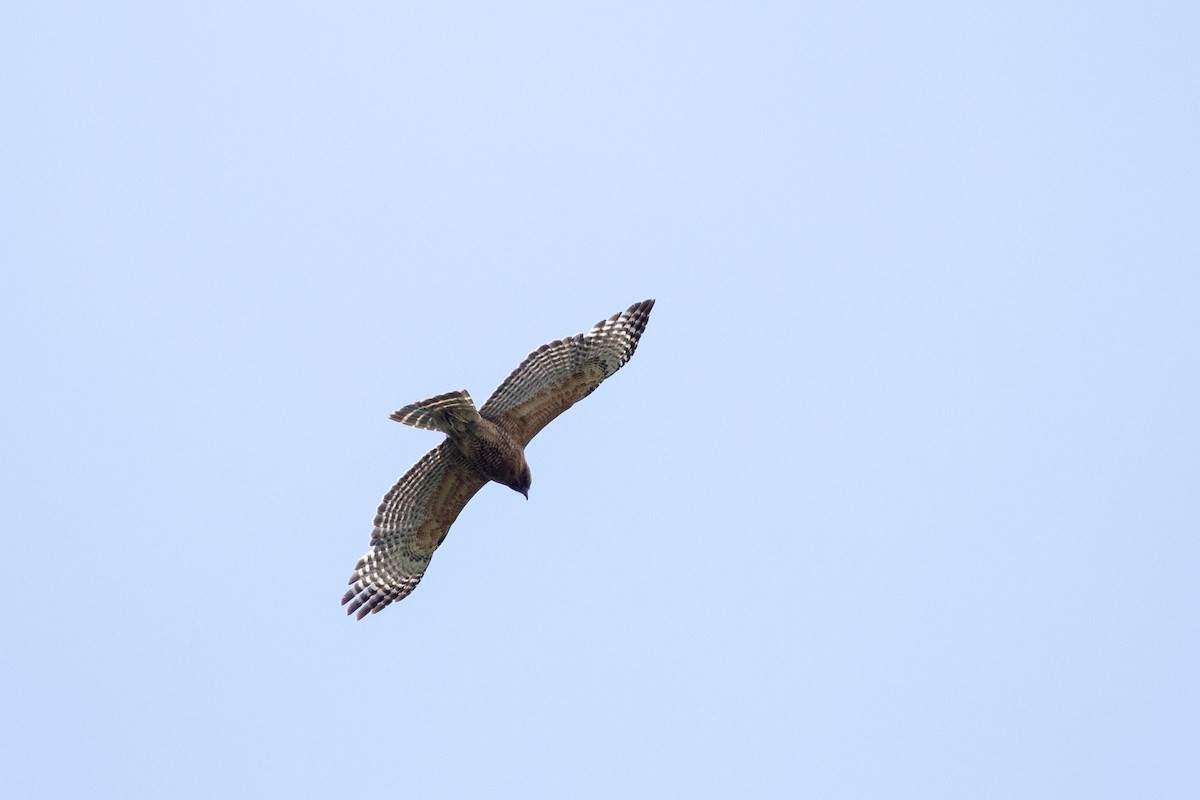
{"x": 442, "y": 413}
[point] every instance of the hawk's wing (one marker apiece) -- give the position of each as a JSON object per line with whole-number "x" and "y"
{"x": 559, "y": 374}
{"x": 412, "y": 521}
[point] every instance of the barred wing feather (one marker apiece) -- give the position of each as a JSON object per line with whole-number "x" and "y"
{"x": 412, "y": 521}
{"x": 557, "y": 375}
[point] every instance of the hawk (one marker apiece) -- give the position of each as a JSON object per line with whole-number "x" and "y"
{"x": 481, "y": 445}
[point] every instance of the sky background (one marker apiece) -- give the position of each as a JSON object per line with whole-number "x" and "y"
{"x": 898, "y": 498}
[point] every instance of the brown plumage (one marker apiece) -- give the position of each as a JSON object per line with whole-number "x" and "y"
{"x": 481, "y": 445}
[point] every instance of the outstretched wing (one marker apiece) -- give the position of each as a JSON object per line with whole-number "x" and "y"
{"x": 412, "y": 521}
{"x": 559, "y": 374}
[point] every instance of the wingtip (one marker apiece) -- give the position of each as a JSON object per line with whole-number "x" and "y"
{"x": 638, "y": 316}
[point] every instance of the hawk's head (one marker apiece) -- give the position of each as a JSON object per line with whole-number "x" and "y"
{"x": 522, "y": 482}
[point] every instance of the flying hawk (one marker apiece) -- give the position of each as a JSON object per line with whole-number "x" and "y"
{"x": 481, "y": 445}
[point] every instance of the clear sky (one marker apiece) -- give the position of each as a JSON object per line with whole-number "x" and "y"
{"x": 899, "y": 498}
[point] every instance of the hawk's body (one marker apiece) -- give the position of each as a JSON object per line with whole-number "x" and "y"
{"x": 482, "y": 445}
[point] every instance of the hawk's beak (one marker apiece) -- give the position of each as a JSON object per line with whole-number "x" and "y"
{"x": 526, "y": 493}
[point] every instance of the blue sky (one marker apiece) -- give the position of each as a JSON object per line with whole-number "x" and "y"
{"x": 898, "y": 497}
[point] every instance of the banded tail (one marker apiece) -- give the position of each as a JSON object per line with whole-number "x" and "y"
{"x": 442, "y": 413}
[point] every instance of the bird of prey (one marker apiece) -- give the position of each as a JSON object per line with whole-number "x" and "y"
{"x": 481, "y": 445}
